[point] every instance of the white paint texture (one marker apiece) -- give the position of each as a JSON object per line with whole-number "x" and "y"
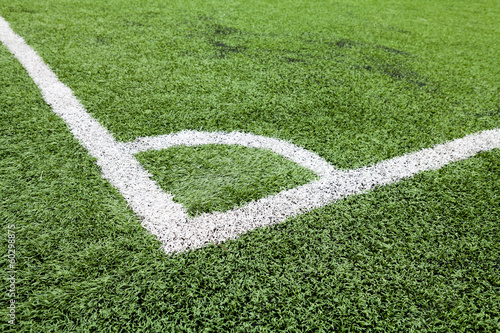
{"x": 194, "y": 138}
{"x": 169, "y": 220}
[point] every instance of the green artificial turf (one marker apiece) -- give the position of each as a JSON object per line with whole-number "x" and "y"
{"x": 379, "y": 78}
{"x": 355, "y": 82}
{"x": 420, "y": 255}
{"x": 220, "y": 177}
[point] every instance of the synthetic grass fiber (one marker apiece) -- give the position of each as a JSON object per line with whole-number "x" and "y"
{"x": 355, "y": 83}
{"x": 219, "y": 177}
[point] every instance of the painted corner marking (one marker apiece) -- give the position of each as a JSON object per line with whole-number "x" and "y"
{"x": 168, "y": 220}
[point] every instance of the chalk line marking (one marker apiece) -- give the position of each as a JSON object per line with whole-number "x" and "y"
{"x": 290, "y": 151}
{"x": 169, "y": 220}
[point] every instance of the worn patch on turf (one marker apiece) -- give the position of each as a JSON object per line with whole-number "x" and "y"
{"x": 169, "y": 220}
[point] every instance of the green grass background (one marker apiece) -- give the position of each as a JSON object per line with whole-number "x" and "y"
{"x": 420, "y": 255}
{"x": 355, "y": 82}
{"x": 212, "y": 178}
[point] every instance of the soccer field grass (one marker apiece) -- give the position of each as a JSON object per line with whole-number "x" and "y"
{"x": 357, "y": 84}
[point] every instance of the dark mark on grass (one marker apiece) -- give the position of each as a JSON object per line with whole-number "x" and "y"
{"x": 216, "y": 29}
{"x": 346, "y": 43}
{"x": 21, "y": 10}
{"x": 402, "y": 74}
{"x": 392, "y": 28}
{"x": 101, "y": 40}
{"x": 132, "y": 23}
{"x": 150, "y": 14}
{"x": 205, "y": 18}
{"x": 345, "y": 52}
{"x": 488, "y": 113}
{"x": 222, "y": 30}
{"x": 396, "y": 71}
{"x": 214, "y": 34}
{"x": 390, "y": 49}
{"x": 225, "y": 49}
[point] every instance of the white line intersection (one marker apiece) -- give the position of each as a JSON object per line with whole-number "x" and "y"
{"x": 168, "y": 220}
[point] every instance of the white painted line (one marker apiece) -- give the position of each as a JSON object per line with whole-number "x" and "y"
{"x": 218, "y": 227}
{"x": 294, "y": 153}
{"x": 120, "y": 168}
{"x": 168, "y": 220}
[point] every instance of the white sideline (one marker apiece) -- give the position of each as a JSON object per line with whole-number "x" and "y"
{"x": 168, "y": 220}
{"x": 121, "y": 169}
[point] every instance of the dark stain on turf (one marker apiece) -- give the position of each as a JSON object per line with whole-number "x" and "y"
{"x": 351, "y": 54}
{"x": 102, "y": 40}
{"x": 222, "y": 30}
{"x": 402, "y": 74}
{"x": 132, "y": 23}
{"x": 396, "y": 66}
{"x": 205, "y": 18}
{"x": 292, "y": 60}
{"x": 224, "y": 49}
{"x": 488, "y": 113}
{"x": 221, "y": 38}
{"x": 390, "y": 49}
{"x": 397, "y": 72}
{"x": 215, "y": 29}
{"x": 346, "y": 43}
{"x": 21, "y": 10}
